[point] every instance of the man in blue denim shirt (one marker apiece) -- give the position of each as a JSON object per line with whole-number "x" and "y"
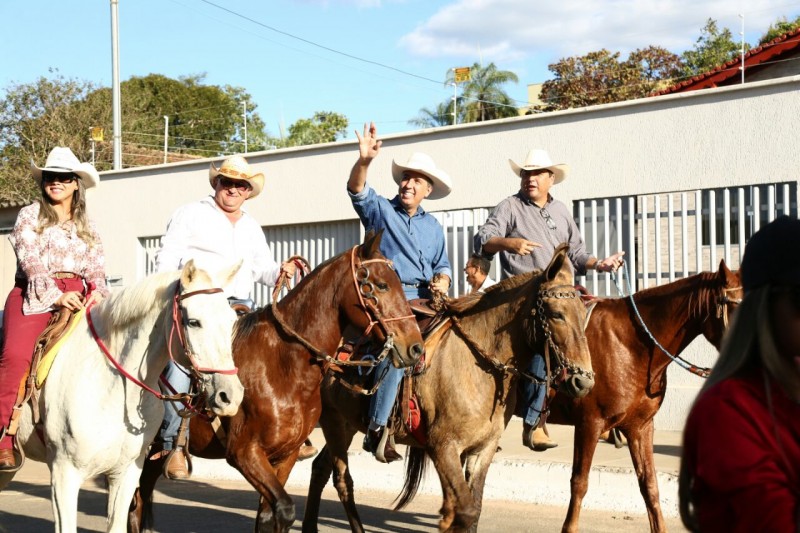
{"x": 412, "y": 239}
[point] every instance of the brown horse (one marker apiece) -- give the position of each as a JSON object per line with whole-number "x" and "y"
{"x": 466, "y": 394}
{"x": 632, "y": 372}
{"x": 279, "y": 351}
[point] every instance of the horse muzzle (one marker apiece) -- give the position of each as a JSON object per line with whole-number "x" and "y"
{"x": 578, "y": 385}
{"x": 404, "y": 357}
{"x": 224, "y": 394}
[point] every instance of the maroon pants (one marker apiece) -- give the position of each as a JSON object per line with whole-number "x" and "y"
{"x": 20, "y": 332}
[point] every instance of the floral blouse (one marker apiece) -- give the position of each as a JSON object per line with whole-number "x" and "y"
{"x": 56, "y": 249}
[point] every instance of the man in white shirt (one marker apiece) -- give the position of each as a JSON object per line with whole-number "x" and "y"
{"x": 216, "y": 232}
{"x": 477, "y": 271}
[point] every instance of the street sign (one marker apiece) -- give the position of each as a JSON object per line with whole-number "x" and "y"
{"x": 97, "y": 134}
{"x": 462, "y": 74}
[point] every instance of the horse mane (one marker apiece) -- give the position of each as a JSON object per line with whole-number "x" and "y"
{"x": 133, "y": 303}
{"x": 702, "y": 290}
{"x": 503, "y": 291}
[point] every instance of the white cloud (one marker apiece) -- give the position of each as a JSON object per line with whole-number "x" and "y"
{"x": 507, "y": 30}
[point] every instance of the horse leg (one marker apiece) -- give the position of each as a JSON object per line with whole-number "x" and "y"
{"x": 276, "y": 510}
{"x": 477, "y": 467}
{"x": 121, "y": 488}
{"x": 585, "y": 442}
{"x": 640, "y": 444}
{"x": 459, "y": 511}
{"x": 321, "y": 470}
{"x": 65, "y": 485}
{"x": 140, "y": 514}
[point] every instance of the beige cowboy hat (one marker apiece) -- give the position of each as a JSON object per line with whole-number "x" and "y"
{"x": 538, "y": 159}
{"x": 422, "y": 163}
{"x": 61, "y": 159}
{"x": 236, "y": 167}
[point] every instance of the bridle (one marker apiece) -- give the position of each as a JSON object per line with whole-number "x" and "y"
{"x": 724, "y": 301}
{"x": 559, "y": 372}
{"x": 368, "y": 303}
{"x": 179, "y": 325}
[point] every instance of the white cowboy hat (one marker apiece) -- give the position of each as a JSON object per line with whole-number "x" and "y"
{"x": 538, "y": 159}
{"x": 61, "y": 159}
{"x": 236, "y": 167}
{"x": 422, "y": 163}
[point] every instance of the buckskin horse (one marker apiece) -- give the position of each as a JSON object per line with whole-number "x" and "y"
{"x": 466, "y": 394}
{"x": 280, "y": 351}
{"x": 632, "y": 372}
{"x": 100, "y": 408}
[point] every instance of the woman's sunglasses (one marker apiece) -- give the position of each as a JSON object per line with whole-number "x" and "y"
{"x": 58, "y": 177}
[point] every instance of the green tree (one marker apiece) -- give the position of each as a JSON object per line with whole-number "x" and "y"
{"x": 483, "y": 97}
{"x": 713, "y": 48}
{"x": 323, "y": 127}
{"x": 778, "y": 28}
{"x": 204, "y": 121}
{"x": 442, "y": 115}
{"x": 601, "y": 77}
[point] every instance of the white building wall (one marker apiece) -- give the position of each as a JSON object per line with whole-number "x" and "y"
{"x": 739, "y": 135}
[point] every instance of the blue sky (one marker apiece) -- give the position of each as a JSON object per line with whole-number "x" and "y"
{"x": 405, "y": 47}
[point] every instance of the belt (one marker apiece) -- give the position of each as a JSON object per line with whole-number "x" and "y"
{"x": 64, "y": 275}
{"x": 419, "y": 285}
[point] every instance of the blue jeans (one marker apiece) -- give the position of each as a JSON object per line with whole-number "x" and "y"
{"x": 181, "y": 382}
{"x": 382, "y": 402}
{"x": 532, "y": 394}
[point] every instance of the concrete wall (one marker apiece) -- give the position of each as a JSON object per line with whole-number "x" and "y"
{"x": 738, "y": 135}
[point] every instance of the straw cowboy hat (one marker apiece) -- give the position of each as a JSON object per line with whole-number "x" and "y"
{"x": 61, "y": 159}
{"x": 422, "y": 163}
{"x": 538, "y": 159}
{"x": 237, "y": 168}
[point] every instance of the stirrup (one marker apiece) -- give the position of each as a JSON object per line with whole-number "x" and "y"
{"x": 380, "y": 451}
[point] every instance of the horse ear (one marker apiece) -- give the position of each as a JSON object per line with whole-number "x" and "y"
{"x": 189, "y": 273}
{"x": 557, "y": 262}
{"x": 723, "y": 270}
{"x": 371, "y": 246}
{"x": 228, "y": 274}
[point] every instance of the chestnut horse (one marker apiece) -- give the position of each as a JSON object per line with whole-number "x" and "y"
{"x": 466, "y": 394}
{"x": 280, "y": 351}
{"x": 632, "y": 372}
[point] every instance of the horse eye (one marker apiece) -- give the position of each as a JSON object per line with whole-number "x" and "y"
{"x": 557, "y": 316}
{"x": 383, "y": 287}
{"x": 193, "y": 323}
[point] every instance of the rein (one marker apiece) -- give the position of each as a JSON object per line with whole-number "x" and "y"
{"x": 177, "y": 316}
{"x": 722, "y": 312}
{"x": 563, "y": 366}
{"x": 368, "y": 302}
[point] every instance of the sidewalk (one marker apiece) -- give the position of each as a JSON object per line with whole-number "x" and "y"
{"x": 516, "y": 474}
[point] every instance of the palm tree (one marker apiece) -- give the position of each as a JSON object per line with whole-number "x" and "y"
{"x": 483, "y": 97}
{"x": 432, "y": 118}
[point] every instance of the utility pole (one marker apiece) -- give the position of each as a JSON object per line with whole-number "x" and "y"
{"x": 115, "y": 93}
{"x": 166, "y": 132}
{"x": 741, "y": 16}
{"x": 244, "y": 115}
{"x": 455, "y": 99}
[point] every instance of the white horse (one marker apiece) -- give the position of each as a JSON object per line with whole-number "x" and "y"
{"x": 98, "y": 420}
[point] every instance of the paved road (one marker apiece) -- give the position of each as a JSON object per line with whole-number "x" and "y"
{"x": 224, "y": 505}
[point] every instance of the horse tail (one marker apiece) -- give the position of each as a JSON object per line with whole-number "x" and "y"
{"x": 416, "y": 460}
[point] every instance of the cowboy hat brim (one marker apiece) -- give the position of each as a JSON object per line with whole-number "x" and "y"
{"x": 439, "y": 178}
{"x": 559, "y": 171}
{"x": 256, "y": 181}
{"x": 85, "y": 171}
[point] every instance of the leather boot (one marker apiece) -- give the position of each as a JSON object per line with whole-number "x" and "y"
{"x": 371, "y": 442}
{"x": 536, "y": 438}
{"x": 176, "y": 467}
{"x": 307, "y": 450}
{"x": 7, "y": 459}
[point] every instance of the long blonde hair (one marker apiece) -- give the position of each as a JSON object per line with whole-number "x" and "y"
{"x": 749, "y": 346}
{"x": 48, "y": 216}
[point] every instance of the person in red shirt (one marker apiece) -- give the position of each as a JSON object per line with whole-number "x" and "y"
{"x": 740, "y": 468}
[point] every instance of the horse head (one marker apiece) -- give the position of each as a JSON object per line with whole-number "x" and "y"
{"x": 727, "y": 296}
{"x": 204, "y": 323}
{"x": 559, "y": 316}
{"x": 378, "y": 304}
